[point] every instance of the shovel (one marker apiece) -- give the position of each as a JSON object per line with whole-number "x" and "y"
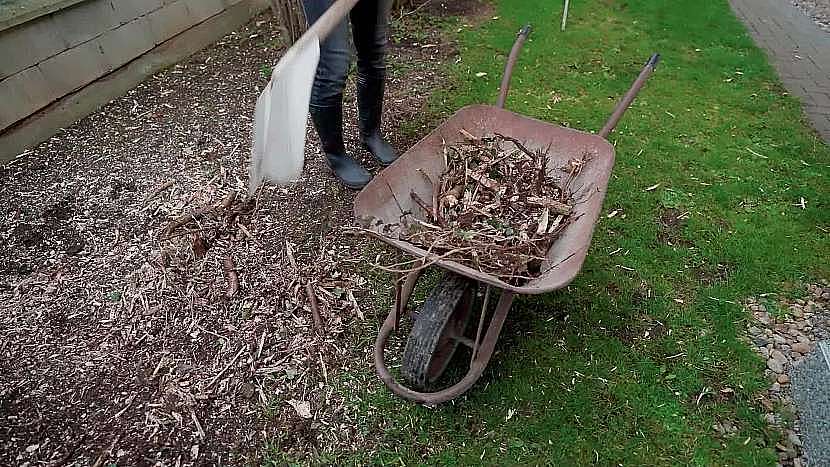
{"x": 278, "y": 149}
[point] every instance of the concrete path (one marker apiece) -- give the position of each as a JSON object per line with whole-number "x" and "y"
{"x": 798, "y": 49}
{"x": 811, "y": 391}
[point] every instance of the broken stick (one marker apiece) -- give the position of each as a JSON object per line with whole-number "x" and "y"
{"x": 231, "y": 276}
{"x": 158, "y": 190}
{"x": 315, "y": 307}
{"x": 185, "y": 219}
{"x": 557, "y": 207}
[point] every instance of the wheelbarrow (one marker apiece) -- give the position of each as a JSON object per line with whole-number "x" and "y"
{"x": 440, "y": 325}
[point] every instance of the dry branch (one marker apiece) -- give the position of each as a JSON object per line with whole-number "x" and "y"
{"x": 158, "y": 190}
{"x": 497, "y": 208}
{"x": 231, "y": 276}
{"x": 199, "y": 213}
{"x": 290, "y": 18}
{"x": 314, "y": 305}
{"x": 552, "y": 204}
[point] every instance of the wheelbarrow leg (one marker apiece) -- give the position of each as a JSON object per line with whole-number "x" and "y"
{"x": 479, "y": 362}
{"x": 402, "y": 293}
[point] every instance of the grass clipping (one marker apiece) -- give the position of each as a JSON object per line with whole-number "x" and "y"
{"x": 497, "y": 208}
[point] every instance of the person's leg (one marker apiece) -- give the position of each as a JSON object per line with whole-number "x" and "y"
{"x": 370, "y": 28}
{"x": 326, "y": 105}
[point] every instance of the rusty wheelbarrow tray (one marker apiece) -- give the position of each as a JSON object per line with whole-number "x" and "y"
{"x": 383, "y": 200}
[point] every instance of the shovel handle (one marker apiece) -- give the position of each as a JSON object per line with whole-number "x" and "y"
{"x": 317, "y": 31}
{"x": 321, "y": 28}
{"x": 331, "y": 18}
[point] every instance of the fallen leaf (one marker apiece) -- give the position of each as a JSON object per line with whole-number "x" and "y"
{"x": 480, "y": 74}
{"x": 303, "y": 408}
{"x": 652, "y": 187}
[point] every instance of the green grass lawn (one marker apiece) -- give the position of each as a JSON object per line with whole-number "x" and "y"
{"x": 635, "y": 361}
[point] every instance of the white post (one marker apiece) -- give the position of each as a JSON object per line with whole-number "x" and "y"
{"x": 565, "y": 14}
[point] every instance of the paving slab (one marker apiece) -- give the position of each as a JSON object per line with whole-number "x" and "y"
{"x": 798, "y": 48}
{"x": 811, "y": 391}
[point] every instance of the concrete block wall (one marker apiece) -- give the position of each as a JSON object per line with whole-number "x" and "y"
{"x": 53, "y": 55}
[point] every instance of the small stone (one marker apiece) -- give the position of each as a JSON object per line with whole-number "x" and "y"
{"x": 775, "y": 365}
{"x": 755, "y": 331}
{"x": 800, "y": 302}
{"x": 762, "y": 316}
{"x": 797, "y": 462}
{"x": 795, "y": 355}
{"x": 825, "y": 295}
{"x": 779, "y": 339}
{"x": 785, "y": 347}
{"x": 761, "y": 341}
{"x": 770, "y": 418}
{"x": 801, "y": 347}
{"x": 797, "y": 312}
{"x": 783, "y": 379}
{"x": 776, "y": 387}
{"x": 794, "y": 439}
{"x": 764, "y": 352}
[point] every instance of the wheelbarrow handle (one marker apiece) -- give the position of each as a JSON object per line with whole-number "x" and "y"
{"x": 521, "y": 37}
{"x": 629, "y": 96}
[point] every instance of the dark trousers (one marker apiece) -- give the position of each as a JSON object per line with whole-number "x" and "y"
{"x": 370, "y": 26}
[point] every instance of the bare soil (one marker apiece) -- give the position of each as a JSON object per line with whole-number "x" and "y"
{"x": 471, "y": 8}
{"x": 122, "y": 341}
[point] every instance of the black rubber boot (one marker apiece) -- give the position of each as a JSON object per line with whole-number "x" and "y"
{"x": 370, "y": 108}
{"x": 329, "y": 124}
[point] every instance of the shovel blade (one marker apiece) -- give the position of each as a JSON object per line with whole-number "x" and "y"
{"x": 280, "y": 118}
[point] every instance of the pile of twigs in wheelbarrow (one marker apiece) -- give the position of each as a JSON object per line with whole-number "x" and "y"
{"x": 496, "y": 209}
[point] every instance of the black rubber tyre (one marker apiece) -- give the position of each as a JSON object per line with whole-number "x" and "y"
{"x": 430, "y": 345}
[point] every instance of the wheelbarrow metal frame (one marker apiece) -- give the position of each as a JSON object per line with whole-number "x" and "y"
{"x": 387, "y": 198}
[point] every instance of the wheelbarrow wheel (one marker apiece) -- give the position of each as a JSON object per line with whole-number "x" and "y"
{"x": 439, "y": 322}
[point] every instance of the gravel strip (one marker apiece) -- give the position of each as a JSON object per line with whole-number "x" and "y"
{"x": 817, "y": 10}
{"x": 785, "y": 332}
{"x": 811, "y": 391}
